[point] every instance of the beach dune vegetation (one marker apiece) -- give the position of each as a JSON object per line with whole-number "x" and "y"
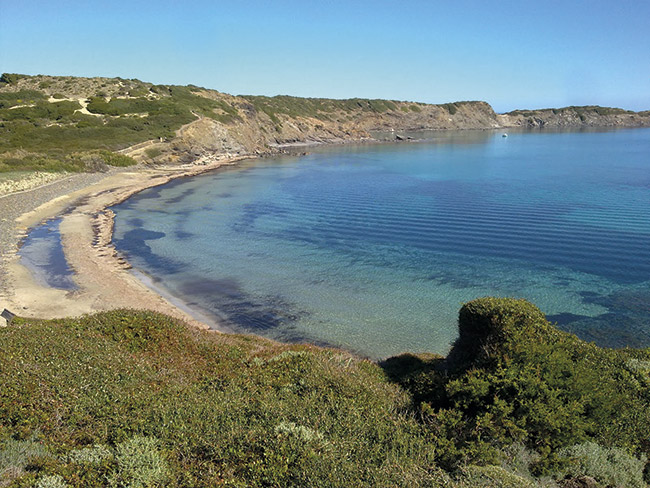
{"x": 122, "y": 396}
{"x": 514, "y": 377}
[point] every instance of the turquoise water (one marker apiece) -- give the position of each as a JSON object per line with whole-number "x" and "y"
{"x": 374, "y": 248}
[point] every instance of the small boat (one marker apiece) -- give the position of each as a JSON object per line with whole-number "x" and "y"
{"x": 504, "y": 135}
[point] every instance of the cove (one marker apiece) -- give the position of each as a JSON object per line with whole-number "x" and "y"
{"x": 374, "y": 247}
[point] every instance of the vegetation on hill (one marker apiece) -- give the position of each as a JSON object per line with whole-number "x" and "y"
{"x": 51, "y": 123}
{"x": 58, "y": 133}
{"x": 129, "y": 398}
{"x": 582, "y": 112}
{"x": 320, "y": 108}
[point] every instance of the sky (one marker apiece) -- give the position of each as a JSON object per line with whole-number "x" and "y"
{"x": 512, "y": 54}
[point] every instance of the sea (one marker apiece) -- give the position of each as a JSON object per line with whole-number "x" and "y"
{"x": 375, "y": 247}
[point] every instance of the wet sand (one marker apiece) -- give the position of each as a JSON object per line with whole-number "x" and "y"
{"x": 101, "y": 274}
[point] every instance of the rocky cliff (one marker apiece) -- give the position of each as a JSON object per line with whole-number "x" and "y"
{"x": 570, "y": 117}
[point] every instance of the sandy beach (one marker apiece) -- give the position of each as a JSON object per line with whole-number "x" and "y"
{"x": 102, "y": 276}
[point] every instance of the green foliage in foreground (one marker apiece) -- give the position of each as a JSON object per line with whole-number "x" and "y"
{"x": 513, "y": 377}
{"x": 129, "y": 398}
{"x": 224, "y": 409}
{"x": 611, "y": 466}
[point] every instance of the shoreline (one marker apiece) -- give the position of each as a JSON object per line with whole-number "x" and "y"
{"x": 103, "y": 277}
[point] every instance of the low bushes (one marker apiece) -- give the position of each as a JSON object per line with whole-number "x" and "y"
{"x": 513, "y": 377}
{"x": 231, "y": 410}
{"x": 128, "y": 398}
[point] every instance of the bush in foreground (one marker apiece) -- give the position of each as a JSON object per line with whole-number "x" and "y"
{"x": 234, "y": 410}
{"x": 610, "y": 466}
{"x": 512, "y": 377}
{"x": 129, "y": 398}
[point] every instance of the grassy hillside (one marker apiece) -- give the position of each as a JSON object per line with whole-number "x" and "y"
{"x": 71, "y": 124}
{"x": 131, "y": 398}
{"x": 58, "y": 123}
{"x": 63, "y": 123}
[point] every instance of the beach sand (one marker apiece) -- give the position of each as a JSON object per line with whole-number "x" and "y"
{"x": 102, "y": 276}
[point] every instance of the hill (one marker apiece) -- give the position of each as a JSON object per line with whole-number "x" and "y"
{"x": 128, "y": 398}
{"x": 80, "y": 124}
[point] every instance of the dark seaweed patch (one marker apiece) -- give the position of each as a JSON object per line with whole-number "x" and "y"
{"x": 135, "y": 222}
{"x": 180, "y": 198}
{"x": 566, "y": 318}
{"x": 182, "y": 235}
{"x": 242, "y": 311}
{"x": 133, "y": 243}
{"x": 626, "y": 323}
{"x": 253, "y": 211}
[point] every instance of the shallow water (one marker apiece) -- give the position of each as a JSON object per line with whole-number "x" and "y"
{"x": 42, "y": 253}
{"x": 374, "y": 248}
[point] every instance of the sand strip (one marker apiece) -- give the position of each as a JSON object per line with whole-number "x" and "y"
{"x": 101, "y": 274}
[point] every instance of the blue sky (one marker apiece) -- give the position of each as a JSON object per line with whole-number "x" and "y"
{"x": 512, "y": 54}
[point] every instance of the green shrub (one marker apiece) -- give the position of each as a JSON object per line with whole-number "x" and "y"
{"x": 139, "y": 91}
{"x": 11, "y": 99}
{"x": 114, "y": 159}
{"x": 491, "y": 477}
{"x": 121, "y": 106}
{"x": 139, "y": 464}
{"x": 300, "y": 432}
{"x": 16, "y": 455}
{"x": 610, "y": 466}
{"x": 51, "y": 481}
{"x": 518, "y": 459}
{"x": 11, "y": 78}
{"x": 452, "y": 108}
{"x": 85, "y": 121}
{"x": 153, "y": 152}
{"x": 96, "y": 454}
{"x": 513, "y": 377}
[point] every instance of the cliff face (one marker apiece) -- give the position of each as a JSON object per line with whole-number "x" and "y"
{"x": 260, "y": 129}
{"x": 568, "y": 117}
{"x": 268, "y": 124}
{"x": 171, "y": 124}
